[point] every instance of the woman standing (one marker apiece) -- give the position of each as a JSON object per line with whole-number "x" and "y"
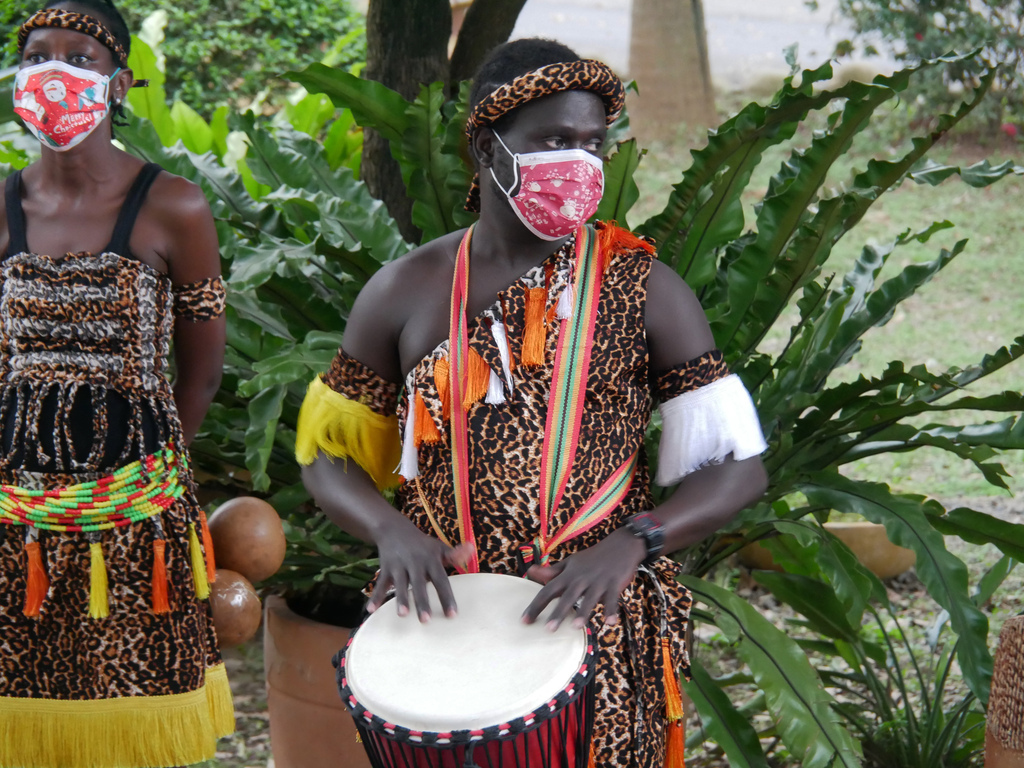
{"x": 107, "y": 651}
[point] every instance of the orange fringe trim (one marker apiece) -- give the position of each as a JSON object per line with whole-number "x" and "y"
{"x": 675, "y": 745}
{"x": 613, "y": 240}
{"x": 160, "y": 602}
{"x": 38, "y": 581}
{"x": 477, "y": 378}
{"x": 535, "y": 333}
{"x": 442, "y": 373}
{"x": 424, "y": 429}
{"x": 211, "y": 565}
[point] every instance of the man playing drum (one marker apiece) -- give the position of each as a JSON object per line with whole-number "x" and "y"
{"x": 516, "y": 413}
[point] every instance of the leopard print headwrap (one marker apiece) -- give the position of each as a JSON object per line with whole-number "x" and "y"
{"x": 76, "y": 22}
{"x": 581, "y": 75}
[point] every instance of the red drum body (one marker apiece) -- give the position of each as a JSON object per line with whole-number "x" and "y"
{"x": 480, "y": 690}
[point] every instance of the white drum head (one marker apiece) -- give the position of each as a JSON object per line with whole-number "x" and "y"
{"x": 482, "y": 668}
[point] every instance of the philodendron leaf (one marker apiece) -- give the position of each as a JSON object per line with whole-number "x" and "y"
{"x": 150, "y": 103}
{"x": 800, "y": 708}
{"x": 944, "y": 575}
{"x": 264, "y": 411}
{"x": 722, "y": 722}
{"x": 374, "y": 105}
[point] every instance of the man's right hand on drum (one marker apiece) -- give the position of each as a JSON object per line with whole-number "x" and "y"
{"x": 408, "y": 560}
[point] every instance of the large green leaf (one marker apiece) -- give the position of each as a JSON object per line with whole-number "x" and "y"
{"x": 426, "y": 168}
{"x": 800, "y": 707}
{"x": 722, "y": 723}
{"x": 149, "y": 103}
{"x": 374, "y": 105}
{"x": 264, "y": 411}
{"x": 620, "y": 189}
{"x": 978, "y": 528}
{"x": 943, "y": 574}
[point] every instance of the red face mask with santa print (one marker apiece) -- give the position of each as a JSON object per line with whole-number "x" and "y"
{"x": 59, "y": 103}
{"x": 558, "y": 190}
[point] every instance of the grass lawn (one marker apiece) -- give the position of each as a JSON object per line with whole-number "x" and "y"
{"x": 973, "y": 307}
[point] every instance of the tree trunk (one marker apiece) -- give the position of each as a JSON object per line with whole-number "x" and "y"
{"x": 668, "y": 58}
{"x": 488, "y": 23}
{"x": 406, "y": 46}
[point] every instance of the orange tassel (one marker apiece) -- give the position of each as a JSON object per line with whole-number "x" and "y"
{"x": 592, "y": 760}
{"x": 478, "y": 376}
{"x": 211, "y": 565}
{"x": 535, "y": 333}
{"x": 160, "y": 603}
{"x": 424, "y": 429}
{"x": 674, "y": 715}
{"x": 613, "y": 240}
{"x": 442, "y": 372}
{"x": 675, "y": 745}
{"x": 38, "y": 581}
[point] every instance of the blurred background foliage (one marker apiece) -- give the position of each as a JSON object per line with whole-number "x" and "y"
{"x": 230, "y": 51}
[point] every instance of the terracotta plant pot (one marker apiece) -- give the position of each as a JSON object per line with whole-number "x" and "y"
{"x": 867, "y": 540}
{"x": 309, "y": 726}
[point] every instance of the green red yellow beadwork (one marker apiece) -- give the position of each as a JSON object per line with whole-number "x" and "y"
{"x": 134, "y": 492}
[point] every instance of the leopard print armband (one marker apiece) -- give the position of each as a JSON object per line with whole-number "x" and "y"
{"x": 201, "y": 300}
{"x": 691, "y": 375}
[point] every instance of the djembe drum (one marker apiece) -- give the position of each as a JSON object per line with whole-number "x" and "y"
{"x": 479, "y": 689}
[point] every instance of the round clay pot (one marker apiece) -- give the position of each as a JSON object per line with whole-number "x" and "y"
{"x": 236, "y": 608}
{"x": 1004, "y": 741}
{"x": 248, "y": 537}
{"x": 867, "y": 540}
{"x": 998, "y": 756}
{"x": 309, "y": 726}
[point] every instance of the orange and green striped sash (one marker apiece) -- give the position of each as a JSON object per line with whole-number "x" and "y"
{"x": 565, "y": 407}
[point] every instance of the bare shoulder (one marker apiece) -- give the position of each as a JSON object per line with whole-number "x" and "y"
{"x": 677, "y": 329}
{"x": 178, "y": 199}
{"x": 399, "y": 291}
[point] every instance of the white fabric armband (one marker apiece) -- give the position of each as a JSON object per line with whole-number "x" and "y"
{"x": 704, "y": 426}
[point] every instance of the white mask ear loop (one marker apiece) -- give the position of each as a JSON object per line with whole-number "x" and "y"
{"x": 515, "y": 164}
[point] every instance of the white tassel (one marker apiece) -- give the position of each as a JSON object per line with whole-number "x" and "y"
{"x": 495, "y": 392}
{"x": 501, "y": 339}
{"x": 409, "y": 468}
{"x": 564, "y": 309}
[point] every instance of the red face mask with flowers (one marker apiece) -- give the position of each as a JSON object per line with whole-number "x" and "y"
{"x": 557, "y": 190}
{"x": 61, "y": 104}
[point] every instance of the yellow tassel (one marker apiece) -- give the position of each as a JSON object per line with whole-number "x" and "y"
{"x": 211, "y": 565}
{"x": 535, "y": 332}
{"x": 202, "y": 585}
{"x": 38, "y": 581}
{"x": 332, "y": 424}
{"x": 160, "y": 601}
{"x": 478, "y": 376}
{"x": 424, "y": 430}
{"x": 442, "y": 372}
{"x": 675, "y": 743}
{"x": 99, "y": 605}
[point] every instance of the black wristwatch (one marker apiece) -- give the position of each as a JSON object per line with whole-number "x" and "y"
{"x": 646, "y": 526}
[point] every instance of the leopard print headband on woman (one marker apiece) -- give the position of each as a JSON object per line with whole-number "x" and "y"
{"x": 582, "y": 75}
{"x": 76, "y": 22}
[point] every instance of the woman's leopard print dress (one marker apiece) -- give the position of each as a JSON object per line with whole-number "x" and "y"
{"x": 84, "y": 342}
{"x": 505, "y": 447}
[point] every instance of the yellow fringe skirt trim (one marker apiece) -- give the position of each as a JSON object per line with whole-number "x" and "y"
{"x": 345, "y": 429}
{"x": 128, "y": 732}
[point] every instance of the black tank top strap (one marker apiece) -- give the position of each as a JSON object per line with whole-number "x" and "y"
{"x": 16, "y": 238}
{"x": 130, "y": 210}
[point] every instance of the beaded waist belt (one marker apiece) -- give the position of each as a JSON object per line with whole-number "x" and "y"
{"x": 134, "y": 492}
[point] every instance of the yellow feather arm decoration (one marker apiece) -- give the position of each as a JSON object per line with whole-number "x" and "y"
{"x": 333, "y": 424}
